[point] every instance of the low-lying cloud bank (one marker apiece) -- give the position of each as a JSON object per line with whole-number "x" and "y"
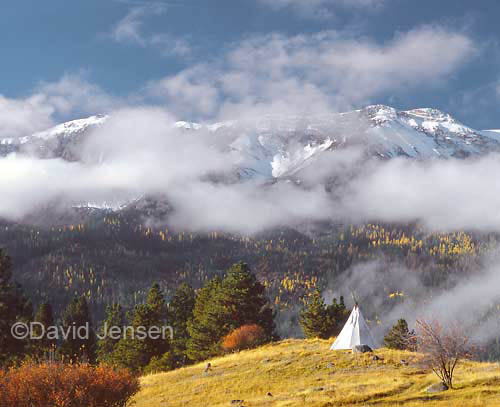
{"x": 472, "y": 302}
{"x": 140, "y": 152}
{"x": 444, "y": 194}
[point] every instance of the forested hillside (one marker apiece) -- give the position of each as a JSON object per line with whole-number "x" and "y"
{"x": 115, "y": 258}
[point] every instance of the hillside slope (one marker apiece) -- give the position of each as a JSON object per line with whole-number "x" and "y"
{"x": 306, "y": 373}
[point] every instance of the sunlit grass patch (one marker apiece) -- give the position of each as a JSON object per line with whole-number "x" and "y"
{"x": 306, "y": 373}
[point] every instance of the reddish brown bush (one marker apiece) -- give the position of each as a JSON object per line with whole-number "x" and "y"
{"x": 62, "y": 385}
{"x": 244, "y": 337}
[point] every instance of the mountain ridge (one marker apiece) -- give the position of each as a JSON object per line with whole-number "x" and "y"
{"x": 286, "y": 142}
{"x": 279, "y": 147}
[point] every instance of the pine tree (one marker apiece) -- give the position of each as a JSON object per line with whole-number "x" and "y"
{"x": 338, "y": 314}
{"x": 114, "y": 318}
{"x": 156, "y": 303}
{"x": 243, "y": 301}
{"x": 43, "y": 346}
{"x": 399, "y": 337}
{"x": 80, "y": 344}
{"x": 14, "y": 307}
{"x": 314, "y": 318}
{"x": 135, "y": 352}
{"x": 221, "y": 307}
{"x": 205, "y": 327}
{"x": 180, "y": 311}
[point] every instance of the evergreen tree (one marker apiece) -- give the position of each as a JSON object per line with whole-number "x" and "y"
{"x": 399, "y": 337}
{"x": 338, "y": 314}
{"x": 168, "y": 361}
{"x": 134, "y": 351}
{"x": 156, "y": 303}
{"x": 206, "y": 326}
{"x": 114, "y": 318}
{"x": 80, "y": 344}
{"x": 41, "y": 347}
{"x": 180, "y": 311}
{"x": 221, "y": 307}
{"x": 14, "y": 307}
{"x": 243, "y": 301}
{"x": 314, "y": 318}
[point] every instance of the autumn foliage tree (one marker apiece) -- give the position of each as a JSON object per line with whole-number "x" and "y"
{"x": 65, "y": 385}
{"x": 443, "y": 348}
{"x": 244, "y": 337}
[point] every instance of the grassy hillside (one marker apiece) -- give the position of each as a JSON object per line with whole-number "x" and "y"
{"x": 306, "y": 373}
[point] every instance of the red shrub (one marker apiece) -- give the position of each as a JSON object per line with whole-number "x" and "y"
{"x": 62, "y": 385}
{"x": 244, "y": 337}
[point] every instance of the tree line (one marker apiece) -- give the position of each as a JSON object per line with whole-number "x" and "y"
{"x": 200, "y": 322}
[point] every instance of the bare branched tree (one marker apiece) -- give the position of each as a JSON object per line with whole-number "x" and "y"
{"x": 443, "y": 348}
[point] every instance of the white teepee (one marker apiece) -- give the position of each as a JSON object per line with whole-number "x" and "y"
{"x": 355, "y": 332}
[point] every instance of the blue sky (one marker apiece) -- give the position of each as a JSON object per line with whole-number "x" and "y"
{"x": 65, "y": 59}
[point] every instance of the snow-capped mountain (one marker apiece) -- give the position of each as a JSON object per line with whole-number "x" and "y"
{"x": 279, "y": 146}
{"x": 59, "y": 141}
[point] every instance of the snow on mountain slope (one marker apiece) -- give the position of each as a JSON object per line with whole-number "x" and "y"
{"x": 423, "y": 133}
{"x": 279, "y": 146}
{"x": 59, "y": 141}
{"x": 70, "y": 128}
{"x": 62, "y": 130}
{"x": 492, "y": 134}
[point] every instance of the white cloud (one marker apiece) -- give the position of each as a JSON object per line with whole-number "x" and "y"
{"x": 130, "y": 30}
{"x": 20, "y": 117}
{"x": 49, "y": 102}
{"x": 443, "y": 195}
{"x": 358, "y": 68}
{"x": 168, "y": 45}
{"x": 189, "y": 93}
{"x": 73, "y": 93}
{"x": 317, "y": 72}
{"x": 270, "y": 74}
{"x": 137, "y": 151}
{"x": 320, "y": 8}
{"x": 469, "y": 298}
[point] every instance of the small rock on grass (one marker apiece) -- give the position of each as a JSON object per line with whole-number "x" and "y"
{"x": 361, "y": 349}
{"x": 437, "y": 388}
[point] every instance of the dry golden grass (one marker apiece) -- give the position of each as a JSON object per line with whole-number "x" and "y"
{"x": 307, "y": 373}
